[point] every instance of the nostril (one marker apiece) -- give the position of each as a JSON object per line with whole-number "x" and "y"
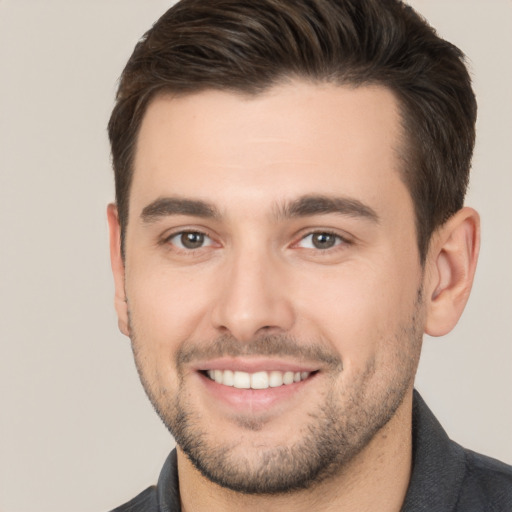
{"x": 268, "y": 330}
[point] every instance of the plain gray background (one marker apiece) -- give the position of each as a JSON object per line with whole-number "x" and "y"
{"x": 76, "y": 430}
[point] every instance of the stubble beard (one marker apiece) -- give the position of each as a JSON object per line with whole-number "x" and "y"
{"x": 337, "y": 430}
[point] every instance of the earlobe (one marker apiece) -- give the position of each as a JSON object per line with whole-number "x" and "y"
{"x": 451, "y": 265}
{"x": 118, "y": 269}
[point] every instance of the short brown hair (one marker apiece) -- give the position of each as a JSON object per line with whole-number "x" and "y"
{"x": 248, "y": 46}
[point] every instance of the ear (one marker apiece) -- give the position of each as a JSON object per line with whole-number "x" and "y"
{"x": 117, "y": 263}
{"x": 451, "y": 262}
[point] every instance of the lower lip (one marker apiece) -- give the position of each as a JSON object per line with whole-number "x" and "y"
{"x": 253, "y": 400}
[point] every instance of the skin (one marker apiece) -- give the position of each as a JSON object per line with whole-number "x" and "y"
{"x": 259, "y": 294}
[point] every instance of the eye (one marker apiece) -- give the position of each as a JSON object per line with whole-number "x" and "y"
{"x": 321, "y": 240}
{"x": 190, "y": 240}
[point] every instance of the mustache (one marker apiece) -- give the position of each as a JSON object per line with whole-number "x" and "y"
{"x": 270, "y": 345}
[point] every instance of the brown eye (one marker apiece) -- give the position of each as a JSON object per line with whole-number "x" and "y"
{"x": 192, "y": 240}
{"x": 323, "y": 240}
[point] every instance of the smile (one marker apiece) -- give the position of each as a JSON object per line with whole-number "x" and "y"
{"x": 257, "y": 380}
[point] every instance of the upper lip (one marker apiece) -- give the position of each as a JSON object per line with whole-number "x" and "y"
{"x": 255, "y": 364}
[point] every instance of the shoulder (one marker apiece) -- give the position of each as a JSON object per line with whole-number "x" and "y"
{"x": 487, "y": 484}
{"x": 146, "y": 501}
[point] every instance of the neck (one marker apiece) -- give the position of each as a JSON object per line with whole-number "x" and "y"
{"x": 376, "y": 479}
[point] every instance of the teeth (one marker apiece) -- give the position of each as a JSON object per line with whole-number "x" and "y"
{"x": 275, "y": 379}
{"x": 241, "y": 380}
{"x": 228, "y": 378}
{"x": 288, "y": 378}
{"x": 258, "y": 380}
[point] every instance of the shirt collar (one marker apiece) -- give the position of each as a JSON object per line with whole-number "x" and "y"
{"x": 438, "y": 465}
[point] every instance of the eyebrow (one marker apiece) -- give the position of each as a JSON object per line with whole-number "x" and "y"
{"x": 304, "y": 206}
{"x": 320, "y": 204}
{"x": 165, "y": 206}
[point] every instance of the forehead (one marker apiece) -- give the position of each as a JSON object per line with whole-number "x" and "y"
{"x": 293, "y": 139}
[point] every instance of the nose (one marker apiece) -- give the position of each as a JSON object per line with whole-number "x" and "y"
{"x": 253, "y": 297}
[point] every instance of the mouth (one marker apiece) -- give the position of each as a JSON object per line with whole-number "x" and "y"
{"x": 255, "y": 385}
{"x": 257, "y": 380}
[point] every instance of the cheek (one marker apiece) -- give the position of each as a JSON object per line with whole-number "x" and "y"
{"x": 360, "y": 309}
{"x": 165, "y": 311}
{"x": 166, "y": 306}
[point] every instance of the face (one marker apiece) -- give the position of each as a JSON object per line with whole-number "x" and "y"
{"x": 272, "y": 279}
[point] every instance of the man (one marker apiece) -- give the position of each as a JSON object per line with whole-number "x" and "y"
{"x": 289, "y": 221}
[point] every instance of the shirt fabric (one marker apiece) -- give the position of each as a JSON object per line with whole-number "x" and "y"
{"x": 445, "y": 477}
